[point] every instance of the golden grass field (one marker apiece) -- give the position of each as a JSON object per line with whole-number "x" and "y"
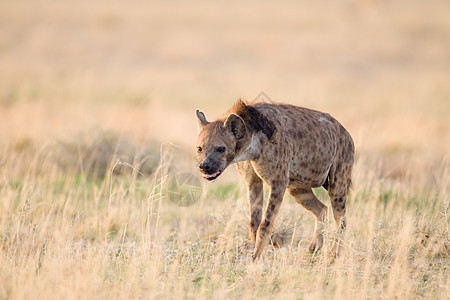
{"x": 97, "y": 106}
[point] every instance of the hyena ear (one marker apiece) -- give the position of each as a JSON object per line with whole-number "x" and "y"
{"x": 201, "y": 119}
{"x": 235, "y": 125}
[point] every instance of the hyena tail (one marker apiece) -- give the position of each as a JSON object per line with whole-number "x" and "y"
{"x": 325, "y": 184}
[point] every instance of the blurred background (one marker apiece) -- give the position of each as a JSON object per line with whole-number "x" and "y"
{"x": 83, "y": 73}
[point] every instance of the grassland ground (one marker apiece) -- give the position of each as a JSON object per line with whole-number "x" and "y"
{"x": 75, "y": 226}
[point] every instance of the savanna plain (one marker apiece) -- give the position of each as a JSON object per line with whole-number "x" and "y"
{"x": 99, "y": 192}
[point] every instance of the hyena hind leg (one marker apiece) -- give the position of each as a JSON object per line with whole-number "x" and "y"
{"x": 307, "y": 199}
{"x": 338, "y": 205}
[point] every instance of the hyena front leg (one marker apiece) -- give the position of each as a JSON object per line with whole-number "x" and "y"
{"x": 255, "y": 203}
{"x": 255, "y": 196}
{"x": 267, "y": 223}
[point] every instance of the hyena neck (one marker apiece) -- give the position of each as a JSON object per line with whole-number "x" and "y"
{"x": 259, "y": 131}
{"x": 252, "y": 149}
{"x": 254, "y": 120}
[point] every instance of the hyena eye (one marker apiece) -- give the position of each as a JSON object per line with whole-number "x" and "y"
{"x": 199, "y": 149}
{"x": 220, "y": 149}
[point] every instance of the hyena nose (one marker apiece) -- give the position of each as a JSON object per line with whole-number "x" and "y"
{"x": 204, "y": 167}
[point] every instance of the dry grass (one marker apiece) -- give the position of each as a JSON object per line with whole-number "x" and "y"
{"x": 90, "y": 91}
{"x": 66, "y": 234}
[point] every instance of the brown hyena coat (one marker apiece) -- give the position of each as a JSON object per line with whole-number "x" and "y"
{"x": 287, "y": 147}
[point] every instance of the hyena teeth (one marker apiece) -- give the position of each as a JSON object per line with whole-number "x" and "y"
{"x": 211, "y": 175}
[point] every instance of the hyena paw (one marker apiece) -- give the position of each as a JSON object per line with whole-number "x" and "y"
{"x": 276, "y": 240}
{"x": 316, "y": 244}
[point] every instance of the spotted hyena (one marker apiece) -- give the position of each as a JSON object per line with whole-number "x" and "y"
{"x": 287, "y": 147}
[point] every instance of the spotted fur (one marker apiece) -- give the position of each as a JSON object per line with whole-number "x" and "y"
{"x": 289, "y": 148}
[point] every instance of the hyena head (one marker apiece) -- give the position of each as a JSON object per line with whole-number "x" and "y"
{"x": 216, "y": 143}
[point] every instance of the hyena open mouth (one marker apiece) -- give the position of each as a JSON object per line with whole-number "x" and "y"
{"x": 213, "y": 176}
